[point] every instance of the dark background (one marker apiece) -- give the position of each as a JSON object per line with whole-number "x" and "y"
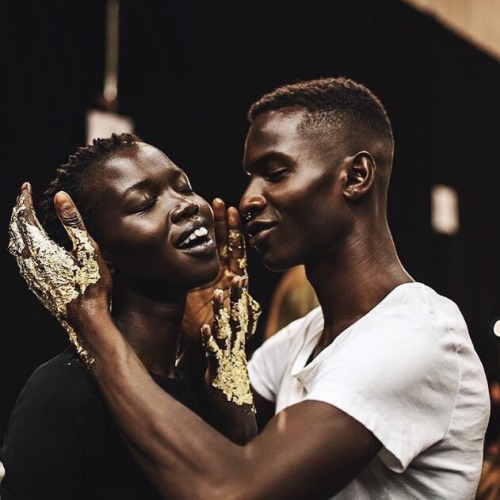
{"x": 188, "y": 72}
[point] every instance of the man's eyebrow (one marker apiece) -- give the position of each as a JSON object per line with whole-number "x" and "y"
{"x": 262, "y": 161}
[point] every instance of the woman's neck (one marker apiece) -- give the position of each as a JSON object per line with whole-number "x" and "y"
{"x": 153, "y": 329}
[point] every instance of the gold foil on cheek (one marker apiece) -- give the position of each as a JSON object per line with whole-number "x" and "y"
{"x": 50, "y": 272}
{"x": 232, "y": 373}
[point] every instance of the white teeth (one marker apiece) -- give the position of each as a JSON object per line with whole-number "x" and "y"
{"x": 197, "y": 233}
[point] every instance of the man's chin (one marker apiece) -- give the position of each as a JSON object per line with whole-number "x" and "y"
{"x": 276, "y": 265}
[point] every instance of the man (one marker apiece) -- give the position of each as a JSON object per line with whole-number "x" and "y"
{"x": 377, "y": 393}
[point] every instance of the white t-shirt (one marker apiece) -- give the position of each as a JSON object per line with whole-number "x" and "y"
{"x": 409, "y": 373}
{"x": 2, "y": 471}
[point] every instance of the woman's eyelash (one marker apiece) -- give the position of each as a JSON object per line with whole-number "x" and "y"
{"x": 146, "y": 204}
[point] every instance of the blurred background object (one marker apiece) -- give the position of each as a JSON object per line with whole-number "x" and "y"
{"x": 475, "y": 20}
{"x": 293, "y": 298}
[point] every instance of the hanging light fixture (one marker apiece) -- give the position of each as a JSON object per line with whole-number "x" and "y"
{"x": 103, "y": 122}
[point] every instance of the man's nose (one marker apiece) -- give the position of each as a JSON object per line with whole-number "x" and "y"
{"x": 251, "y": 204}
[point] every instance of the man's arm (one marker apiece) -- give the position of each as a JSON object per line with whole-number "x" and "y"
{"x": 265, "y": 409}
{"x": 309, "y": 449}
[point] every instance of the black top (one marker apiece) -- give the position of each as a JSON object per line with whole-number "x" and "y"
{"x": 62, "y": 443}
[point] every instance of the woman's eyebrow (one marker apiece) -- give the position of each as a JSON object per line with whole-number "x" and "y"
{"x": 135, "y": 187}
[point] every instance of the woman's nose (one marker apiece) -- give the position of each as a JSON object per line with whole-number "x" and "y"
{"x": 185, "y": 208}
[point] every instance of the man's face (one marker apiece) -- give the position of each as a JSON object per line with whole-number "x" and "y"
{"x": 294, "y": 193}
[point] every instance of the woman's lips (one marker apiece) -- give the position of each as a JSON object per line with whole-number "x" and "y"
{"x": 205, "y": 247}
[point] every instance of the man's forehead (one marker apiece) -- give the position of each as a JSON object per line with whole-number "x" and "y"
{"x": 274, "y": 135}
{"x": 285, "y": 120}
{"x": 272, "y": 128}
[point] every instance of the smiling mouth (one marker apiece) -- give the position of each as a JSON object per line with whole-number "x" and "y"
{"x": 198, "y": 237}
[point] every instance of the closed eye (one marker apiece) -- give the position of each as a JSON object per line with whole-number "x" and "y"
{"x": 186, "y": 189}
{"x": 146, "y": 205}
{"x": 182, "y": 184}
{"x": 277, "y": 175}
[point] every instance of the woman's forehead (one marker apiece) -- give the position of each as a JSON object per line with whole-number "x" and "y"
{"x": 138, "y": 161}
{"x": 132, "y": 166}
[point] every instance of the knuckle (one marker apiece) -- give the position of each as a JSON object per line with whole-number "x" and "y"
{"x": 71, "y": 218}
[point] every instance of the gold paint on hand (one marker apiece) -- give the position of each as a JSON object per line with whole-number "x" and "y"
{"x": 51, "y": 273}
{"x": 232, "y": 373}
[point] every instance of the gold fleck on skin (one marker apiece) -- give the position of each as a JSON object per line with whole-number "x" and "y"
{"x": 242, "y": 263}
{"x": 232, "y": 326}
{"x": 232, "y": 374}
{"x": 235, "y": 241}
{"x": 51, "y": 273}
{"x": 256, "y": 311}
{"x": 223, "y": 329}
{"x": 223, "y": 251}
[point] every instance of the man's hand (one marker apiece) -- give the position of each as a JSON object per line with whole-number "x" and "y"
{"x": 225, "y": 381}
{"x": 233, "y": 261}
{"x": 226, "y": 378}
{"x": 225, "y": 343}
{"x": 57, "y": 277}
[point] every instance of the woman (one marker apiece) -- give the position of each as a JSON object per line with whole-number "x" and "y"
{"x": 158, "y": 240}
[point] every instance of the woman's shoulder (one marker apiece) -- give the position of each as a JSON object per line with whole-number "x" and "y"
{"x": 64, "y": 379}
{"x": 66, "y": 362}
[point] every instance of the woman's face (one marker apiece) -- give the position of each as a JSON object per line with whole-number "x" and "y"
{"x": 153, "y": 230}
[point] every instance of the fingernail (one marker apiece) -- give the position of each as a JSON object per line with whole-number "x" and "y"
{"x": 62, "y": 200}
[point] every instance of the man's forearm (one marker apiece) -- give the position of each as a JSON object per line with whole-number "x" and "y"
{"x": 183, "y": 456}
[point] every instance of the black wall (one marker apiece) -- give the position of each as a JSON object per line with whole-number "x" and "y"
{"x": 189, "y": 70}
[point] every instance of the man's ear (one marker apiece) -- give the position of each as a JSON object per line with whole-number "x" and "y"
{"x": 360, "y": 175}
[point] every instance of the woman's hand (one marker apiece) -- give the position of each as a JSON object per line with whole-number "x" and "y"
{"x": 60, "y": 279}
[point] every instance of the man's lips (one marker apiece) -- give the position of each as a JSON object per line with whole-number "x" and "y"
{"x": 257, "y": 230}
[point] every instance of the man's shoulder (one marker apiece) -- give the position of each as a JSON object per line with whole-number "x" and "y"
{"x": 306, "y": 325}
{"x": 310, "y": 321}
